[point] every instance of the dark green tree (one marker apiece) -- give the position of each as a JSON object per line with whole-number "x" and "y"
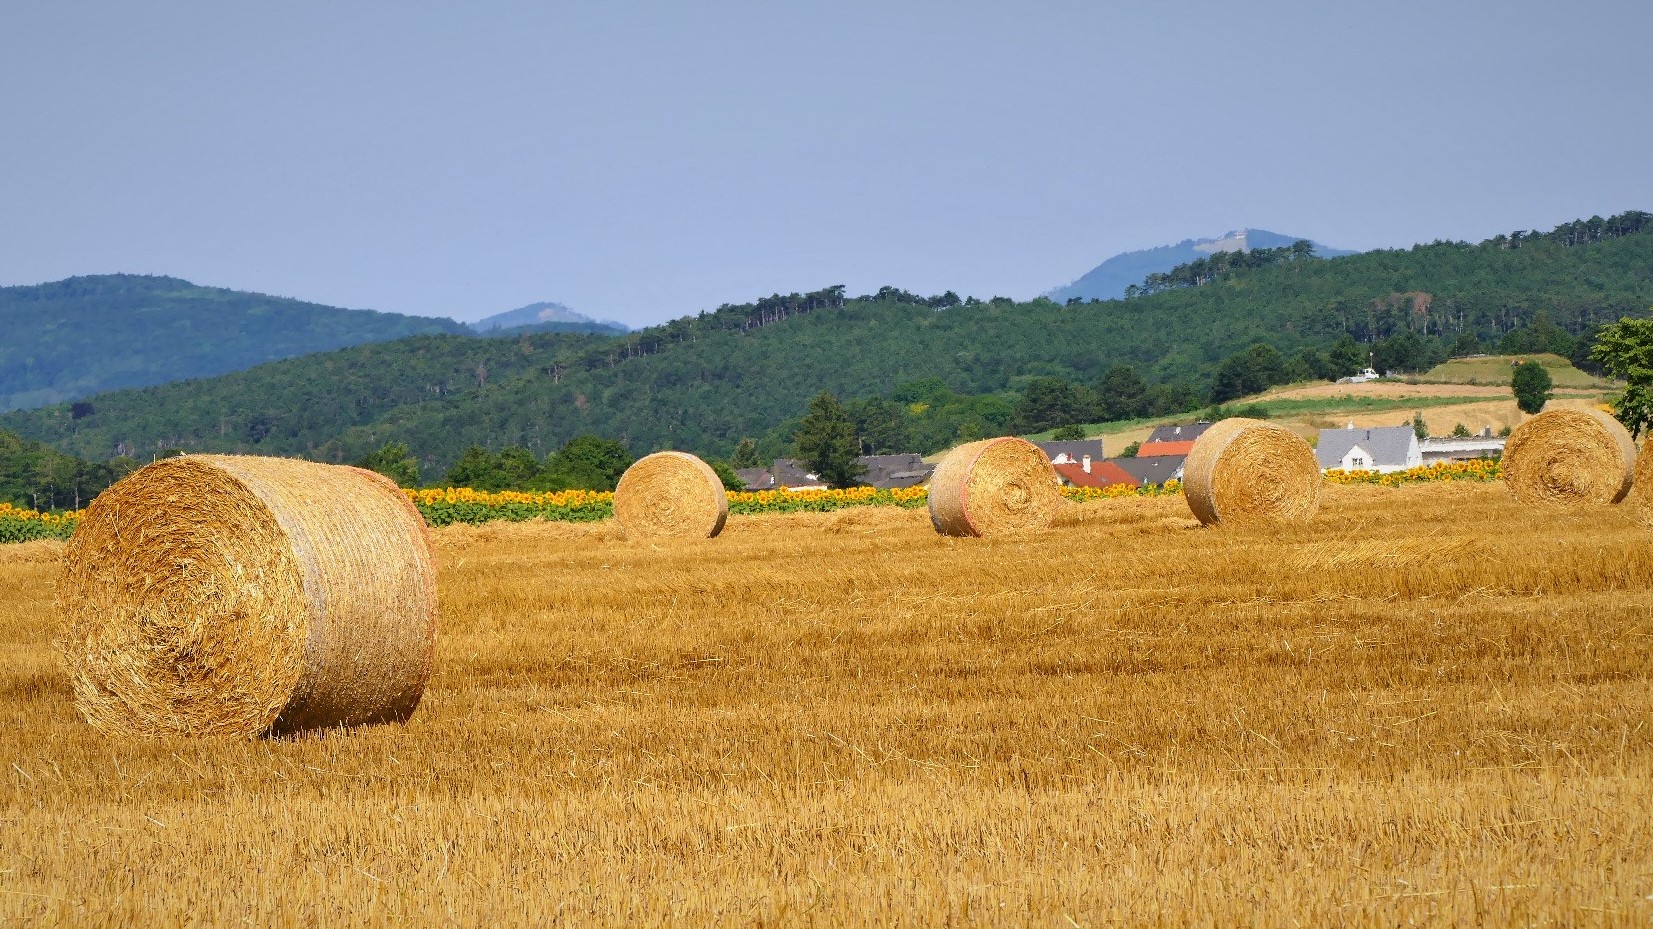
{"x": 474, "y": 469}
{"x": 586, "y": 462}
{"x": 394, "y": 461}
{"x": 1419, "y": 427}
{"x": 1130, "y": 450}
{"x": 1122, "y": 394}
{"x": 1345, "y": 358}
{"x": 1531, "y": 385}
{"x": 1072, "y": 433}
{"x": 1249, "y": 372}
{"x": 1047, "y": 402}
{"x": 746, "y": 454}
{"x": 1625, "y": 350}
{"x": 827, "y": 444}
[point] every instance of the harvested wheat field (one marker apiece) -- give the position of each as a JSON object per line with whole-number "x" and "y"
{"x": 1427, "y": 705}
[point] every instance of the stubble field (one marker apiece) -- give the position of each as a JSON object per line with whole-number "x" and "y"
{"x": 1429, "y": 706}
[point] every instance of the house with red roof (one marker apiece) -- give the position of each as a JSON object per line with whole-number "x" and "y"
{"x": 1172, "y": 440}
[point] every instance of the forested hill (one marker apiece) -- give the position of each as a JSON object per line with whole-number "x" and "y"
{"x": 85, "y": 335}
{"x": 701, "y": 383}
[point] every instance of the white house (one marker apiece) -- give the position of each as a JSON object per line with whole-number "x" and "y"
{"x": 1382, "y": 449}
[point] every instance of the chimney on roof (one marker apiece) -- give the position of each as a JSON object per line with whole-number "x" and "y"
{"x": 1086, "y": 464}
{"x": 1176, "y": 430}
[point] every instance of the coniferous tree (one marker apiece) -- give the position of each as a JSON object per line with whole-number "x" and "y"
{"x": 827, "y": 443}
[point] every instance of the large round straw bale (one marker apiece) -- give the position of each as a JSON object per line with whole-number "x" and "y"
{"x": 1640, "y": 497}
{"x": 1243, "y": 471}
{"x": 235, "y": 596}
{"x": 1570, "y": 458}
{"x": 993, "y": 487}
{"x": 671, "y": 494}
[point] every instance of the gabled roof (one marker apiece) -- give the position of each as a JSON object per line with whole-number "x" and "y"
{"x": 1103, "y": 473}
{"x": 890, "y": 471}
{"x": 1186, "y": 432}
{"x": 1388, "y": 445}
{"x": 1152, "y": 469}
{"x": 1156, "y": 449}
{"x": 1076, "y": 449}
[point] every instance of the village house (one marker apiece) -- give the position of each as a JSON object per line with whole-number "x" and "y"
{"x": 1381, "y": 448}
{"x": 1072, "y": 452}
{"x": 1456, "y": 448}
{"x": 885, "y": 472}
{"x": 1132, "y": 472}
{"x": 1172, "y": 440}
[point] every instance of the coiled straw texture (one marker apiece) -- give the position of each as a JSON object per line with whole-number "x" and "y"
{"x": 671, "y": 494}
{"x": 1245, "y": 471}
{"x": 236, "y": 596}
{"x": 1569, "y": 459}
{"x": 993, "y": 487}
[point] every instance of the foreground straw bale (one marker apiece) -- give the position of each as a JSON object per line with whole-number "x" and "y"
{"x": 1245, "y": 471}
{"x": 671, "y": 494}
{"x": 993, "y": 487}
{"x": 235, "y": 596}
{"x": 1570, "y": 458}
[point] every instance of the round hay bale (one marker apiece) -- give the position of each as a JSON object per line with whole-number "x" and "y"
{"x": 993, "y": 487}
{"x": 1245, "y": 471}
{"x": 1570, "y": 458}
{"x": 236, "y": 596}
{"x": 671, "y": 494}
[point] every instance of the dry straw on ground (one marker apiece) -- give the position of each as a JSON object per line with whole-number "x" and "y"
{"x": 220, "y": 595}
{"x": 671, "y": 494}
{"x": 1640, "y": 498}
{"x": 1570, "y": 458}
{"x": 1244, "y": 471}
{"x": 993, "y": 487}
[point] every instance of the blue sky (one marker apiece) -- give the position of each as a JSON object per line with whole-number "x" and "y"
{"x": 641, "y": 161}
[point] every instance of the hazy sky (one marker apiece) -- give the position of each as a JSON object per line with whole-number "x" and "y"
{"x": 645, "y": 160}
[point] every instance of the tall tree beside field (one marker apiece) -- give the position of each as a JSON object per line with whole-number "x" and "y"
{"x": 394, "y": 461}
{"x": 1625, "y": 350}
{"x": 827, "y": 443}
{"x": 1531, "y": 385}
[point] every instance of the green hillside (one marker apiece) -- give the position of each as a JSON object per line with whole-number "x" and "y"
{"x": 86, "y": 335}
{"x": 701, "y": 383}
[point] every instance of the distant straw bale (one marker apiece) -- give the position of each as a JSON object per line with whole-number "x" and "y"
{"x": 1245, "y": 471}
{"x": 671, "y": 494}
{"x": 993, "y": 487}
{"x": 236, "y": 596}
{"x": 1570, "y": 458}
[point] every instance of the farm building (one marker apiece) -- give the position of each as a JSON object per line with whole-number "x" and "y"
{"x": 882, "y": 471}
{"x": 1461, "y": 449}
{"x": 1382, "y": 449}
{"x": 1171, "y": 440}
{"x": 1133, "y": 472}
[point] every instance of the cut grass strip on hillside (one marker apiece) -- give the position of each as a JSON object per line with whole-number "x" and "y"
{"x": 1496, "y": 369}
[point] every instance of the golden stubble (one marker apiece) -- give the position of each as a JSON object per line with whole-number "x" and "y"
{"x": 1425, "y": 705}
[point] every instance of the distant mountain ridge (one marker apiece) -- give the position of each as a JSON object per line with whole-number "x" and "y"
{"x": 545, "y": 317}
{"x": 85, "y": 335}
{"x": 1108, "y": 280}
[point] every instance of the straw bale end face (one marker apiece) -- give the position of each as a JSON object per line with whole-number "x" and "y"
{"x": 1569, "y": 459}
{"x": 994, "y": 487}
{"x": 236, "y": 596}
{"x": 1246, "y": 471}
{"x": 671, "y": 494}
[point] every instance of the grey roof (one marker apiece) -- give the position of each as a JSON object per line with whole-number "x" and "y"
{"x": 1184, "y": 432}
{"x": 1154, "y": 469}
{"x": 1388, "y": 445}
{"x": 755, "y": 478}
{"x": 1076, "y": 449}
{"x": 882, "y": 471}
{"x": 889, "y": 471}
